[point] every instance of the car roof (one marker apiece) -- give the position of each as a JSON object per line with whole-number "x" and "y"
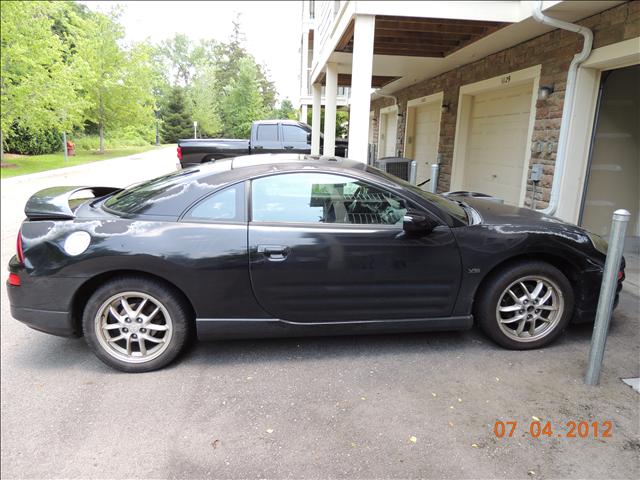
{"x": 275, "y": 161}
{"x": 288, "y": 158}
{"x": 282, "y": 121}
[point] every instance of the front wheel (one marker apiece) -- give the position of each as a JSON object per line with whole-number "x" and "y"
{"x": 136, "y": 324}
{"x": 525, "y": 306}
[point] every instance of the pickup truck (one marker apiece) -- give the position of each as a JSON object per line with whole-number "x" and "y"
{"x": 267, "y": 136}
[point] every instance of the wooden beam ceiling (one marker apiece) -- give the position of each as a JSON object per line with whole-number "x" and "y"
{"x": 421, "y": 37}
{"x": 344, "y": 80}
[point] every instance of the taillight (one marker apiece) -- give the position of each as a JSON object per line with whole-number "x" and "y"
{"x": 620, "y": 275}
{"x": 14, "y": 280}
{"x": 179, "y": 150}
{"x": 19, "y": 251}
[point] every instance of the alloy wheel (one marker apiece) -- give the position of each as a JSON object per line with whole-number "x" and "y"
{"x": 530, "y": 308}
{"x": 133, "y": 327}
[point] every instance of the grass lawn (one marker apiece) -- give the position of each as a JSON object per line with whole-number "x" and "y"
{"x": 23, "y": 164}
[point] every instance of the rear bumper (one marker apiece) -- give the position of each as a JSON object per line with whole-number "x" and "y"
{"x": 43, "y": 303}
{"x": 48, "y": 321}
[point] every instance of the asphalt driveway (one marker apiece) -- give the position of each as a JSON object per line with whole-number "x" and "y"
{"x": 349, "y": 407}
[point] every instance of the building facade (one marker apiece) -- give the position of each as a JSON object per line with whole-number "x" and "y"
{"x": 490, "y": 91}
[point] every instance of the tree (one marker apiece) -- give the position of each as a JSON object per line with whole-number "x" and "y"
{"x": 177, "y": 122}
{"x": 342, "y": 121}
{"x": 118, "y": 84}
{"x": 242, "y": 103}
{"x": 286, "y": 111}
{"x": 203, "y": 103}
{"x": 37, "y": 82}
{"x": 177, "y": 56}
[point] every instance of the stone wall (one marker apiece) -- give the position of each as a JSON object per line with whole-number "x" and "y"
{"x": 554, "y": 52}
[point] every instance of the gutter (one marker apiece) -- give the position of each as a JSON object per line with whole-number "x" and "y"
{"x": 567, "y": 110}
{"x": 384, "y": 95}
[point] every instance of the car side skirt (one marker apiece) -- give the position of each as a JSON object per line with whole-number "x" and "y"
{"x": 237, "y": 328}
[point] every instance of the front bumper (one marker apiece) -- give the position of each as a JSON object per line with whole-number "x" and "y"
{"x": 589, "y": 284}
{"x": 43, "y": 303}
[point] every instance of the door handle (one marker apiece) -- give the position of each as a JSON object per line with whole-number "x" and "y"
{"x": 258, "y": 147}
{"x": 275, "y": 253}
{"x": 288, "y": 147}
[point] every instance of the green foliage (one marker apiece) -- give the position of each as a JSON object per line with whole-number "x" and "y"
{"x": 342, "y": 121}
{"x": 127, "y": 137}
{"x": 117, "y": 83}
{"x": 286, "y": 111}
{"x": 212, "y": 75}
{"x": 203, "y": 103}
{"x": 66, "y": 68}
{"x": 177, "y": 122}
{"x": 242, "y": 103}
{"x": 27, "y": 142}
{"x": 38, "y": 88}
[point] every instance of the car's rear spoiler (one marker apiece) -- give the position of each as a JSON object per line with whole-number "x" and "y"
{"x": 53, "y": 203}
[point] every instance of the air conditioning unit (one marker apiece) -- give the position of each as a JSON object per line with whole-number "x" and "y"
{"x": 401, "y": 167}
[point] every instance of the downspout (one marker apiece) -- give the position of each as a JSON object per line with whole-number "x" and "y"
{"x": 393, "y": 97}
{"x": 567, "y": 110}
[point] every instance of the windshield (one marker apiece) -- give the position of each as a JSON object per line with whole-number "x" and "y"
{"x": 450, "y": 206}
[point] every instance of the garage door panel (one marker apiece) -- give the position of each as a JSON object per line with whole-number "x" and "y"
{"x": 496, "y": 143}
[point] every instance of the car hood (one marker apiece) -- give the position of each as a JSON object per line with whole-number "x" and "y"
{"x": 494, "y": 213}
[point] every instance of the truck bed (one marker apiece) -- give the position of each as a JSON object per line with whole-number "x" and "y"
{"x": 196, "y": 151}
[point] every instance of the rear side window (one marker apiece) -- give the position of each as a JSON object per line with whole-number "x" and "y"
{"x": 226, "y": 205}
{"x": 267, "y": 133}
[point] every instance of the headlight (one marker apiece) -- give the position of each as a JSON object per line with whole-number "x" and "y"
{"x": 598, "y": 242}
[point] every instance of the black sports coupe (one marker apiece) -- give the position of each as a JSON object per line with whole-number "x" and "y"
{"x": 291, "y": 245}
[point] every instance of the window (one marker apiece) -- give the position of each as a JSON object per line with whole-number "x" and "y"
{"x": 267, "y": 133}
{"x": 448, "y": 205}
{"x": 323, "y": 198}
{"x": 294, "y": 134}
{"x": 224, "y": 206}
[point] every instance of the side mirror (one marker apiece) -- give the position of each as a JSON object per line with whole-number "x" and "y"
{"x": 309, "y": 138}
{"x": 416, "y": 223}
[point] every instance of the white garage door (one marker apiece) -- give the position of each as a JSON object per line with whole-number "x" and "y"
{"x": 427, "y": 127}
{"x": 498, "y": 131}
{"x": 388, "y": 125}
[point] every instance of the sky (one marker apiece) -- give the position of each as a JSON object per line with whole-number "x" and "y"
{"x": 271, "y": 29}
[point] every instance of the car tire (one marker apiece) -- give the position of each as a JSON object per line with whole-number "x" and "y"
{"x": 136, "y": 324}
{"x": 525, "y": 305}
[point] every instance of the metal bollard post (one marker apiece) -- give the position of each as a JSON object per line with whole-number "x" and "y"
{"x": 435, "y": 171}
{"x": 607, "y": 296}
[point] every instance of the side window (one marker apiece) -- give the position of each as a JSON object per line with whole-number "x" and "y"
{"x": 267, "y": 133}
{"x": 224, "y": 206}
{"x": 323, "y": 198}
{"x": 294, "y": 134}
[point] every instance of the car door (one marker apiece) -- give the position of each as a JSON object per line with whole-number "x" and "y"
{"x": 295, "y": 138}
{"x": 330, "y": 248}
{"x": 266, "y": 138}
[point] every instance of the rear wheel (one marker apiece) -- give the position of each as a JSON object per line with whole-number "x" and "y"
{"x": 136, "y": 324}
{"x": 525, "y": 306}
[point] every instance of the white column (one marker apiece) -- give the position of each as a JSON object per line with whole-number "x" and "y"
{"x": 361, "y": 71}
{"x": 331, "y": 95}
{"x": 303, "y": 113}
{"x": 315, "y": 120}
